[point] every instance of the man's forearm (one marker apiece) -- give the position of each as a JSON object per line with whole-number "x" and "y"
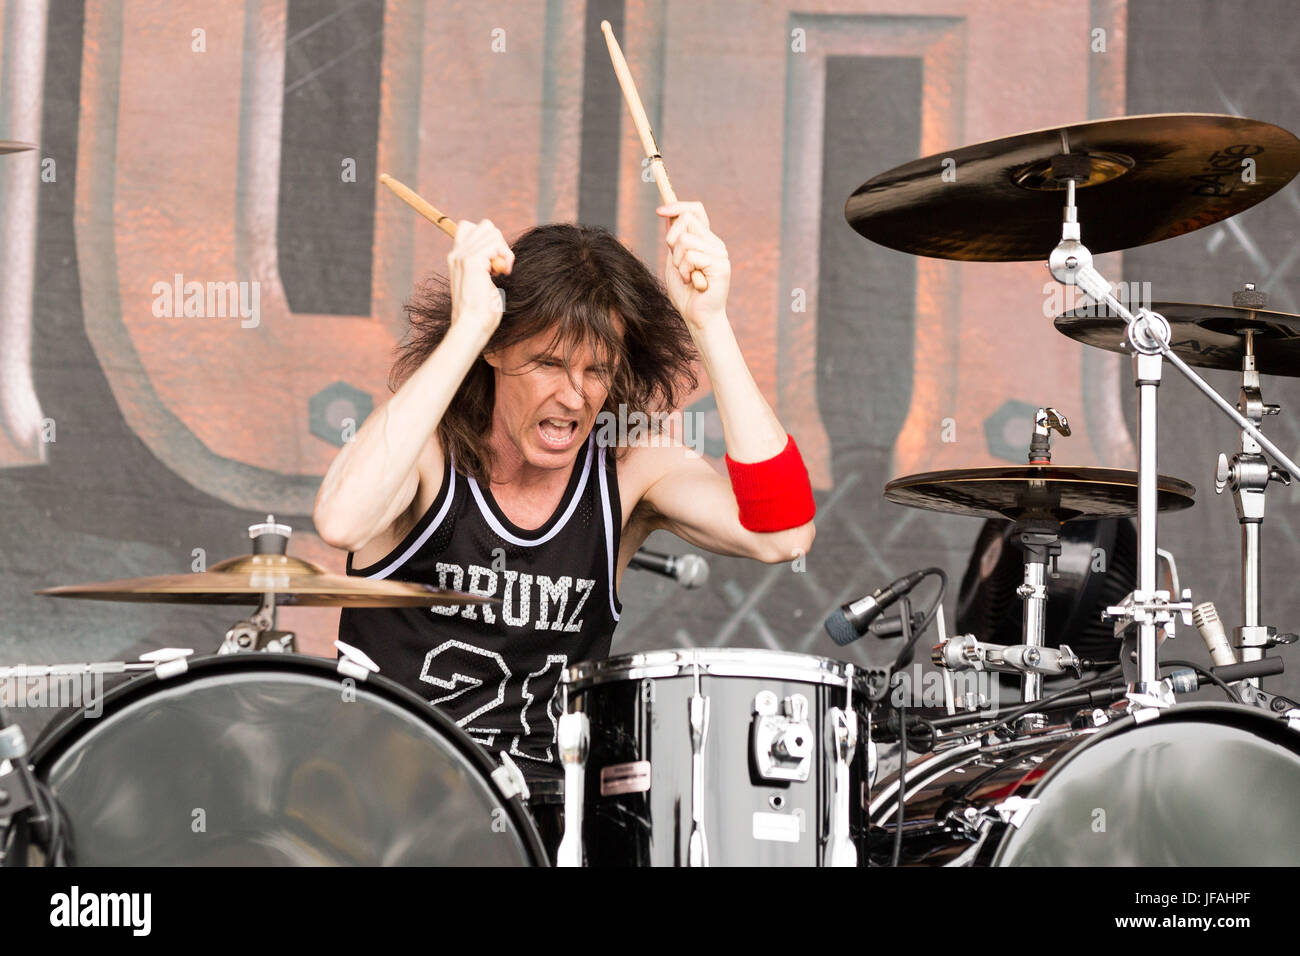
{"x": 749, "y": 426}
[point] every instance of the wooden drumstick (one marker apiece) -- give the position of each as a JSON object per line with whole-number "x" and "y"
{"x": 429, "y": 212}
{"x": 642, "y": 124}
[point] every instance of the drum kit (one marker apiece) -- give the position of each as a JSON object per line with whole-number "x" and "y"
{"x": 699, "y": 757}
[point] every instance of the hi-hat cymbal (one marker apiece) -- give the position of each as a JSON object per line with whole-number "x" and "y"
{"x": 1211, "y": 336}
{"x": 1022, "y": 492}
{"x": 246, "y": 579}
{"x": 1149, "y": 178}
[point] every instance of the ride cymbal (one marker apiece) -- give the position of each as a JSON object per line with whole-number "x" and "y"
{"x": 1021, "y": 492}
{"x": 1148, "y": 178}
{"x": 1210, "y": 336}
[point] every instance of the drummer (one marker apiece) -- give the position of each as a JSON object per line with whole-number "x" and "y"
{"x": 497, "y": 466}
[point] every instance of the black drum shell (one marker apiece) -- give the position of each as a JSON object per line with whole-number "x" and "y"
{"x": 277, "y": 759}
{"x": 1201, "y": 785}
{"x": 646, "y": 719}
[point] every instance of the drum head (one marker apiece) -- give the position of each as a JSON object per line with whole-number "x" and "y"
{"x": 1201, "y": 785}
{"x": 276, "y": 759}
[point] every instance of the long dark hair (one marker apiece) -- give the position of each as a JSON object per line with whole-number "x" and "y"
{"x": 571, "y": 279}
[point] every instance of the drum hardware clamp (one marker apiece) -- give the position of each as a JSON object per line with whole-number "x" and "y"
{"x": 354, "y": 662}
{"x": 963, "y": 652}
{"x": 510, "y": 779}
{"x": 1284, "y": 707}
{"x": 782, "y": 737}
{"x": 977, "y": 823}
{"x": 1090, "y": 719}
{"x": 15, "y": 786}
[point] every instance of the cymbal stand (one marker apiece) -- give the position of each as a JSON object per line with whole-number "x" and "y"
{"x": 1146, "y": 608}
{"x": 1248, "y": 475}
{"x": 1040, "y": 542}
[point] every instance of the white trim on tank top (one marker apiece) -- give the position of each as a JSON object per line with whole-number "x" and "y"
{"x": 609, "y": 531}
{"x": 428, "y": 532}
{"x": 500, "y": 530}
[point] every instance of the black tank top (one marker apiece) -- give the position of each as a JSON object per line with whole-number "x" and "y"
{"x": 495, "y": 668}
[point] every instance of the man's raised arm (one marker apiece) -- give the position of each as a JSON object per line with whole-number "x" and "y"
{"x": 375, "y": 477}
{"x": 766, "y": 509}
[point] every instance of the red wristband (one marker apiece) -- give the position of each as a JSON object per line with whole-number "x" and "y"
{"x": 774, "y": 494}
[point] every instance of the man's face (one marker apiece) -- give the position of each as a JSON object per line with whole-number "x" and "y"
{"x": 546, "y": 400}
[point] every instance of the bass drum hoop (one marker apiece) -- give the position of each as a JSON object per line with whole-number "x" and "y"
{"x": 1267, "y": 726}
{"x": 760, "y": 663}
{"x": 68, "y": 730}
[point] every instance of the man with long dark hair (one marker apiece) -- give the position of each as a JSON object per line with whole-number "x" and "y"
{"x": 489, "y": 469}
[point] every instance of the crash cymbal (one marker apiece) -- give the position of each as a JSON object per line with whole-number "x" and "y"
{"x": 1021, "y": 492}
{"x": 1149, "y": 178}
{"x": 246, "y": 579}
{"x": 1211, "y": 336}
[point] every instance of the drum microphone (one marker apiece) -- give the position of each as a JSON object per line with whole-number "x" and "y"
{"x": 689, "y": 570}
{"x": 1206, "y": 618}
{"x": 850, "y": 621}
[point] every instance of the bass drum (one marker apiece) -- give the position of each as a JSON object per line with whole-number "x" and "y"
{"x": 1194, "y": 785}
{"x": 276, "y": 759}
{"x": 1202, "y": 785}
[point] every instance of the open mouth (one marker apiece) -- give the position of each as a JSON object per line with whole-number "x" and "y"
{"x": 557, "y": 433}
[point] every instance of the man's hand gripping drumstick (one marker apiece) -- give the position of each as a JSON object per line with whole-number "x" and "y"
{"x": 642, "y": 124}
{"x": 768, "y": 481}
{"x": 376, "y": 476}
{"x": 431, "y": 213}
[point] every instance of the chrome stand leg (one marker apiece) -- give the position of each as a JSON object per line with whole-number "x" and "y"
{"x": 1248, "y": 475}
{"x": 1147, "y": 369}
{"x": 698, "y": 847}
{"x": 574, "y": 739}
